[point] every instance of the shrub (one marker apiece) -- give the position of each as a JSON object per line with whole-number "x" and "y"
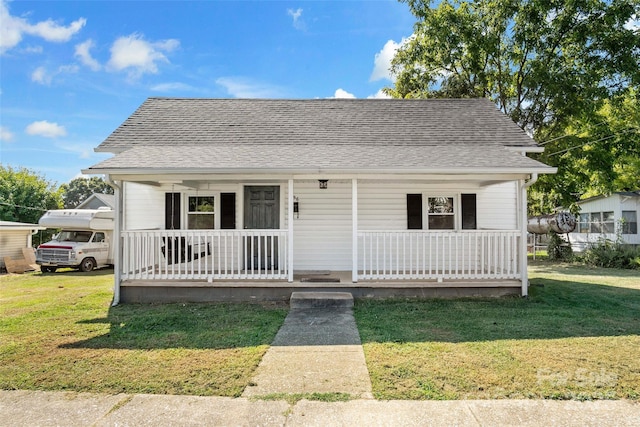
{"x": 609, "y": 254}
{"x": 558, "y": 249}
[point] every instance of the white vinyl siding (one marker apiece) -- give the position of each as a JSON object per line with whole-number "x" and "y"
{"x": 601, "y": 209}
{"x": 143, "y": 207}
{"x": 497, "y": 207}
{"x": 323, "y": 230}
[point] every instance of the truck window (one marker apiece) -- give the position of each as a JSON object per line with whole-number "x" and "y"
{"x": 98, "y": 238}
{"x": 74, "y": 236}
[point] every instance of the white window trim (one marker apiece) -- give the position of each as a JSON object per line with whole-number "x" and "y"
{"x": 457, "y": 217}
{"x": 216, "y": 207}
{"x": 601, "y": 222}
{"x": 636, "y": 222}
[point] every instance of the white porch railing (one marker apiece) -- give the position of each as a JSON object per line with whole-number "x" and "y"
{"x": 468, "y": 254}
{"x": 205, "y": 254}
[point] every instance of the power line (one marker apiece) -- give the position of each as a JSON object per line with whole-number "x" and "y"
{"x": 23, "y": 207}
{"x": 622, "y": 132}
{"x": 566, "y": 135}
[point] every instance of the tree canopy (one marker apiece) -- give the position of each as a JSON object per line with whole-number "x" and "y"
{"x": 79, "y": 189}
{"x": 26, "y": 195}
{"x": 565, "y": 71}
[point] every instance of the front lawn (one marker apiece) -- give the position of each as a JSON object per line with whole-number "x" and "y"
{"x": 576, "y": 337}
{"x": 58, "y": 332}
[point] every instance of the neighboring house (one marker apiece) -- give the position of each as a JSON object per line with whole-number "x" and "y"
{"x": 98, "y": 200}
{"x": 14, "y": 236}
{"x": 609, "y": 217}
{"x": 246, "y": 198}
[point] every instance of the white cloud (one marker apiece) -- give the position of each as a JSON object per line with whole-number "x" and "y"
{"x": 46, "y": 129}
{"x": 5, "y": 134}
{"x": 82, "y": 52}
{"x": 379, "y": 95}
{"x": 382, "y": 60}
{"x": 44, "y": 77}
{"x": 139, "y": 56}
{"x": 298, "y": 23}
{"x": 41, "y": 76}
{"x": 83, "y": 151}
{"x": 53, "y": 32}
{"x": 341, "y": 93}
{"x": 240, "y": 87}
{"x": 173, "y": 87}
{"x": 33, "y": 49}
{"x": 13, "y": 28}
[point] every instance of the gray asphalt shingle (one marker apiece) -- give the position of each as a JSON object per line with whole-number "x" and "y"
{"x": 340, "y": 134}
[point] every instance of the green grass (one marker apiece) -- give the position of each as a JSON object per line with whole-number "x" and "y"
{"x": 58, "y": 332}
{"x": 576, "y": 337}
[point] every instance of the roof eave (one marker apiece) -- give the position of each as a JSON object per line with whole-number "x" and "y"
{"x": 262, "y": 171}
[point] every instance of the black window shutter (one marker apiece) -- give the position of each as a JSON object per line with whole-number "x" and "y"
{"x": 228, "y": 211}
{"x": 414, "y": 211}
{"x": 172, "y": 211}
{"x": 469, "y": 221}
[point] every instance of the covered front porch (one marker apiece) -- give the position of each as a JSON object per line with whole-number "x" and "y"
{"x": 350, "y": 236}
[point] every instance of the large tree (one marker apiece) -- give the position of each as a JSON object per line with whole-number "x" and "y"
{"x": 79, "y": 189}
{"x": 25, "y": 195}
{"x": 595, "y": 154}
{"x": 555, "y": 66}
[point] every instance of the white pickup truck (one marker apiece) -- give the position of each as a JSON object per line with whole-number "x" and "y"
{"x": 84, "y": 242}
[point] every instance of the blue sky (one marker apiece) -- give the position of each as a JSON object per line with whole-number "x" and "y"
{"x": 72, "y": 71}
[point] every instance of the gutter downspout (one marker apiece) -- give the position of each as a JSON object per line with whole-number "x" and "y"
{"x": 116, "y": 240}
{"x": 523, "y": 233}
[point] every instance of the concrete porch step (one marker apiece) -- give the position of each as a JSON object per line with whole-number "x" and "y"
{"x": 321, "y": 300}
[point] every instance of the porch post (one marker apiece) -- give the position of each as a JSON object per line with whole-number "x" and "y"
{"x": 354, "y": 219}
{"x": 290, "y": 230}
{"x": 117, "y": 238}
{"x": 524, "y": 276}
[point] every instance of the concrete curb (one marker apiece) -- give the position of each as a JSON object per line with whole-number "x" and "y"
{"x": 31, "y": 408}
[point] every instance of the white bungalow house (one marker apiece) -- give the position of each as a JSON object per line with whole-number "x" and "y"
{"x": 246, "y": 198}
{"x": 607, "y": 217}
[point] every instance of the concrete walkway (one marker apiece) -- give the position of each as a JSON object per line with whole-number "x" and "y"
{"x": 36, "y": 408}
{"x": 317, "y": 350}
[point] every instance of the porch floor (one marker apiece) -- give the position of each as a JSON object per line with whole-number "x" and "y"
{"x": 140, "y": 291}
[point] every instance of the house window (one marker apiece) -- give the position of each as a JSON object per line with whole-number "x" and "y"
{"x": 596, "y": 218}
{"x": 629, "y": 222}
{"x": 608, "y": 223}
{"x": 201, "y": 213}
{"x": 583, "y": 223}
{"x": 440, "y": 213}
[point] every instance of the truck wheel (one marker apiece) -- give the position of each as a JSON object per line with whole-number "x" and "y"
{"x": 87, "y": 265}
{"x": 46, "y": 269}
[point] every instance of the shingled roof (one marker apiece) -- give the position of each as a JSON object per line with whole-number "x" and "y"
{"x": 340, "y": 134}
{"x": 171, "y": 121}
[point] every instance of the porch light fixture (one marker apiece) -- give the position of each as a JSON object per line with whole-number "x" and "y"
{"x": 323, "y": 183}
